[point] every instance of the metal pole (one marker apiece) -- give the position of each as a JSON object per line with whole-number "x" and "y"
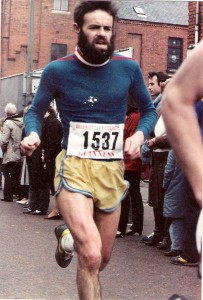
{"x": 30, "y": 51}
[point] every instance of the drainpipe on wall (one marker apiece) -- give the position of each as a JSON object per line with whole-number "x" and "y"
{"x": 30, "y": 52}
{"x": 197, "y": 28}
{"x": 197, "y": 23}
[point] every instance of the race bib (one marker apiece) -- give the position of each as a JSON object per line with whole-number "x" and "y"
{"x": 96, "y": 141}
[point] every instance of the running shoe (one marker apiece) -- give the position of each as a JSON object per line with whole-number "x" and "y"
{"x": 63, "y": 258}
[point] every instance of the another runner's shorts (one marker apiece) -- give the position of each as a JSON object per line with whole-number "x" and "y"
{"x": 100, "y": 180}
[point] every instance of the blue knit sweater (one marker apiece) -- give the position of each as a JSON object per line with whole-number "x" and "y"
{"x": 91, "y": 94}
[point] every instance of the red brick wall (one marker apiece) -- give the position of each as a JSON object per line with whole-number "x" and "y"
{"x": 192, "y": 22}
{"x": 192, "y": 18}
{"x": 201, "y": 20}
{"x": 50, "y": 27}
{"x": 154, "y": 42}
{"x": 150, "y": 41}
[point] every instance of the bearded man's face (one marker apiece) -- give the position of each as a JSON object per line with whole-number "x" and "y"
{"x": 96, "y": 40}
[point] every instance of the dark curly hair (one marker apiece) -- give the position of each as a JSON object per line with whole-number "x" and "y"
{"x": 161, "y": 76}
{"x": 90, "y": 6}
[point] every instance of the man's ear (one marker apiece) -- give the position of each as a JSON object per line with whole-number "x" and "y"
{"x": 76, "y": 28}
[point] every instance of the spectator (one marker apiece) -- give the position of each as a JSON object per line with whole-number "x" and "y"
{"x": 155, "y": 81}
{"x": 24, "y": 178}
{"x": 158, "y": 148}
{"x": 133, "y": 169}
{"x": 154, "y": 85}
{"x": 1, "y": 154}
{"x": 186, "y": 87}
{"x": 52, "y": 137}
{"x": 41, "y": 165}
{"x": 174, "y": 203}
{"x": 12, "y": 160}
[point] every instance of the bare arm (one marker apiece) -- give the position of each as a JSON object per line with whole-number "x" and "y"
{"x": 180, "y": 118}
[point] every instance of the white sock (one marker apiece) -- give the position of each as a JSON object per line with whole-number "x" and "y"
{"x": 67, "y": 242}
{"x": 199, "y": 232}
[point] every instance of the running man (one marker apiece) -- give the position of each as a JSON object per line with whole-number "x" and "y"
{"x": 90, "y": 88}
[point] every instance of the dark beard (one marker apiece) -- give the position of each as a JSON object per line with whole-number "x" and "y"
{"x": 93, "y": 55}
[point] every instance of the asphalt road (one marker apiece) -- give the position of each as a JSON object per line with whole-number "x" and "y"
{"x": 28, "y": 269}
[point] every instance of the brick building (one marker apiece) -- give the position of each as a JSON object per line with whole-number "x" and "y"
{"x": 148, "y": 33}
{"x": 52, "y": 26}
{"x": 35, "y": 32}
{"x": 156, "y": 30}
{"x": 195, "y": 28}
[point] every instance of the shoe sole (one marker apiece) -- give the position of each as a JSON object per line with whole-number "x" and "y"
{"x": 185, "y": 264}
{"x": 61, "y": 256}
{"x": 171, "y": 255}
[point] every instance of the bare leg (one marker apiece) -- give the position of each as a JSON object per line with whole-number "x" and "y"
{"x": 107, "y": 225}
{"x": 77, "y": 211}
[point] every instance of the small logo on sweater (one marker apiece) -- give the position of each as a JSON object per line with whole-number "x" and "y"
{"x": 91, "y": 100}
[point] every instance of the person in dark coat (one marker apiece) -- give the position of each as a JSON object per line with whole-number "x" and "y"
{"x": 181, "y": 206}
{"x": 52, "y": 137}
{"x": 174, "y": 203}
{"x": 41, "y": 164}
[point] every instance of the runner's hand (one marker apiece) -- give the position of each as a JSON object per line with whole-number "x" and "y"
{"x": 30, "y": 143}
{"x": 132, "y": 145}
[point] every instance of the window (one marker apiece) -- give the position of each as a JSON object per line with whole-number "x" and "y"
{"x": 61, "y": 5}
{"x": 58, "y": 51}
{"x": 175, "y": 48}
{"x": 139, "y": 11}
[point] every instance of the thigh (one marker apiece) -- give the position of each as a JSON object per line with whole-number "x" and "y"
{"x": 77, "y": 212}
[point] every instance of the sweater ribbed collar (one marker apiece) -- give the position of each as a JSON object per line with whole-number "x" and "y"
{"x": 82, "y": 58}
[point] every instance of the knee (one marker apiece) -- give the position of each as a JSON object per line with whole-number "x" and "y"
{"x": 89, "y": 257}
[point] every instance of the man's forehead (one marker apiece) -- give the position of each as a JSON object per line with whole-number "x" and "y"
{"x": 98, "y": 17}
